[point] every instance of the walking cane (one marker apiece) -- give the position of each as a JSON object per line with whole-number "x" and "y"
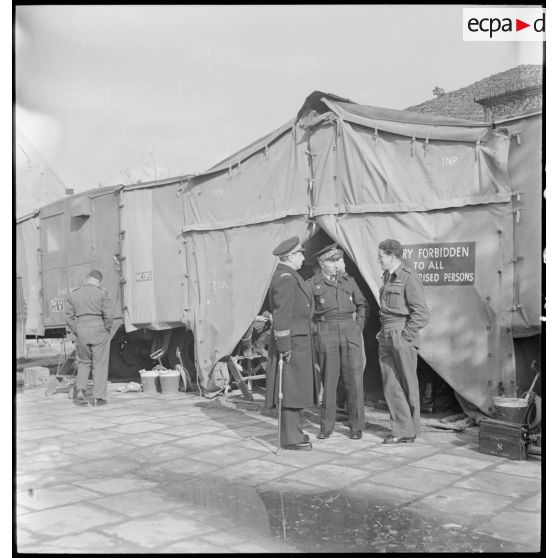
{"x": 280, "y": 364}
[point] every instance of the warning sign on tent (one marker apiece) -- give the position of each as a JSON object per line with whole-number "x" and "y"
{"x": 450, "y": 263}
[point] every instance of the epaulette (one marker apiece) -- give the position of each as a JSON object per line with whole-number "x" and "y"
{"x": 75, "y": 289}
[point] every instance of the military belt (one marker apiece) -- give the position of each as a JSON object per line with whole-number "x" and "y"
{"x": 393, "y": 323}
{"x": 335, "y": 318}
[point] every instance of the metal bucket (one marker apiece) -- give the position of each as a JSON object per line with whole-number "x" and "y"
{"x": 149, "y": 380}
{"x": 511, "y": 409}
{"x": 169, "y": 381}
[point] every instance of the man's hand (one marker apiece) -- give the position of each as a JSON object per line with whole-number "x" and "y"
{"x": 286, "y": 356}
{"x": 378, "y": 335}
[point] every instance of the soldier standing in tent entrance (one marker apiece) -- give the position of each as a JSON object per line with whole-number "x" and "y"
{"x": 341, "y": 311}
{"x": 89, "y": 316}
{"x": 403, "y": 312}
{"x": 292, "y": 308}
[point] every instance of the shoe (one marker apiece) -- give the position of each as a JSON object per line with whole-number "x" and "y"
{"x": 399, "y": 439}
{"x": 322, "y": 435}
{"x": 356, "y": 435}
{"x": 98, "y": 402}
{"x": 300, "y": 446}
{"x": 80, "y": 397}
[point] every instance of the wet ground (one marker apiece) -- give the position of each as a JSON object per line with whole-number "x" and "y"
{"x": 331, "y": 521}
{"x": 181, "y": 474}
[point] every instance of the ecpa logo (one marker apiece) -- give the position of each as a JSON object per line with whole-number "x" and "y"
{"x": 503, "y": 24}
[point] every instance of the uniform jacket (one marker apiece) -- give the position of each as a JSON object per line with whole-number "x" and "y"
{"x": 89, "y": 300}
{"x": 338, "y": 297}
{"x": 292, "y": 309}
{"x": 402, "y": 298}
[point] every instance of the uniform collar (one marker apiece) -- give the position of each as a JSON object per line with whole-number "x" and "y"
{"x": 397, "y": 272}
{"x": 322, "y": 277}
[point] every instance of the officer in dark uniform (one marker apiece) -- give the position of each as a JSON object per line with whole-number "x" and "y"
{"x": 89, "y": 316}
{"x": 341, "y": 313}
{"x": 403, "y": 312}
{"x": 292, "y": 309}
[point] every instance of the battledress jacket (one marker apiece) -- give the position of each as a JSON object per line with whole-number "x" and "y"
{"x": 292, "y": 308}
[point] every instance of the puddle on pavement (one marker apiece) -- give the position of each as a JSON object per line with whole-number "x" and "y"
{"x": 329, "y": 521}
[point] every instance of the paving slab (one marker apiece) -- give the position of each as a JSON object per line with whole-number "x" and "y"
{"x": 460, "y": 465}
{"x": 300, "y": 459}
{"x": 327, "y": 475}
{"x": 210, "y": 439}
{"x": 184, "y": 466}
{"x": 83, "y": 543}
{"x": 255, "y": 472}
{"x": 415, "y": 478}
{"x": 412, "y": 451}
{"x": 531, "y": 469}
{"x": 66, "y": 520}
{"x": 158, "y": 530}
{"x": 139, "y": 427}
{"x": 532, "y": 504}
{"x": 225, "y": 455}
{"x": 41, "y": 461}
{"x": 378, "y": 492}
{"x": 136, "y": 504}
{"x": 46, "y": 477}
{"x": 500, "y": 483}
{"x": 116, "y": 484}
{"x": 99, "y": 448}
{"x": 470, "y": 505}
{"x": 146, "y": 438}
{"x": 522, "y": 527}
{"x": 54, "y": 496}
{"x": 104, "y": 467}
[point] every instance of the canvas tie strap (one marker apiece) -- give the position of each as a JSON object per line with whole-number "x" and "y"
{"x": 281, "y": 333}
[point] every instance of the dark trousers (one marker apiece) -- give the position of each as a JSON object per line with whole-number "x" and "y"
{"x": 339, "y": 352}
{"x": 92, "y": 351}
{"x": 398, "y": 364}
{"x": 291, "y": 426}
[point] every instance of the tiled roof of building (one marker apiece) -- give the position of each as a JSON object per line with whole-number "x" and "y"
{"x": 462, "y": 103}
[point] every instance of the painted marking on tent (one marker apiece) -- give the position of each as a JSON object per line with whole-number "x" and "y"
{"x": 441, "y": 264}
{"x": 219, "y": 285}
{"x": 144, "y": 276}
{"x": 449, "y": 161}
{"x": 57, "y": 305}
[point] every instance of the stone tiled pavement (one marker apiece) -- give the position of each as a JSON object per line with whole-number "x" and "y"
{"x": 130, "y": 476}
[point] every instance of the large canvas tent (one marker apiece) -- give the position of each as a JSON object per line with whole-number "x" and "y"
{"x": 463, "y": 197}
{"x": 448, "y": 189}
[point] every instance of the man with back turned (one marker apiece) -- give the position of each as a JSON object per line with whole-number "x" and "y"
{"x": 403, "y": 312}
{"x": 292, "y": 309}
{"x": 89, "y": 316}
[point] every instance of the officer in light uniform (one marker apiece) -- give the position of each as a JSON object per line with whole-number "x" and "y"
{"x": 341, "y": 313}
{"x": 89, "y": 316}
{"x": 292, "y": 309}
{"x": 403, "y": 312}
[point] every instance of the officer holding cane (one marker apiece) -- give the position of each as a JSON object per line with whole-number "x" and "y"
{"x": 292, "y": 308}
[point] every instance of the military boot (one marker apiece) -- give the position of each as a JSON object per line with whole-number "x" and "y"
{"x": 80, "y": 397}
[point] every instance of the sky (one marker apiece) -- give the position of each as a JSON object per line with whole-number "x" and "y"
{"x": 116, "y": 94}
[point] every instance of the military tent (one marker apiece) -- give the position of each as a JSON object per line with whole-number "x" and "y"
{"x": 452, "y": 191}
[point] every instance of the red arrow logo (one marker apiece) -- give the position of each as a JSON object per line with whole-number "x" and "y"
{"x": 519, "y": 25}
